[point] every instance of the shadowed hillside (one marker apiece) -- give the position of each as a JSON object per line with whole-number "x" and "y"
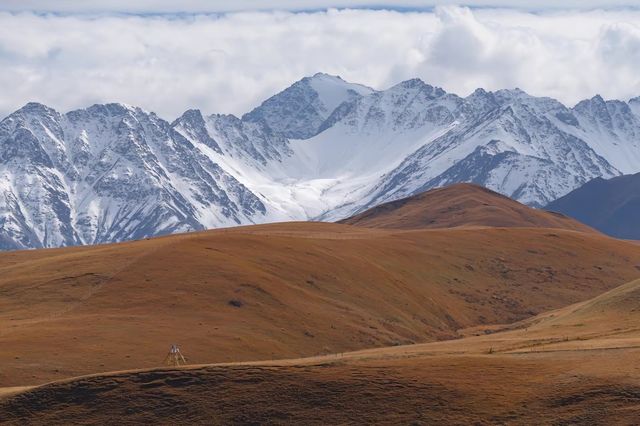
{"x": 611, "y": 206}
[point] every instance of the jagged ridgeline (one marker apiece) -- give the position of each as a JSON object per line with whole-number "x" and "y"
{"x": 321, "y": 149}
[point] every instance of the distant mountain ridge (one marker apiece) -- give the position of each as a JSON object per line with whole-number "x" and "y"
{"x": 611, "y": 206}
{"x": 322, "y": 149}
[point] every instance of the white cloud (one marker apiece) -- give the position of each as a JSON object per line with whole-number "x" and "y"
{"x": 229, "y": 63}
{"x": 213, "y": 6}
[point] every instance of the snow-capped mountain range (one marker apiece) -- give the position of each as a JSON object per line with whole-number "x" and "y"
{"x": 322, "y": 149}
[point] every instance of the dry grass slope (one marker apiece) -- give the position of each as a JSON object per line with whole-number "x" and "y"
{"x": 595, "y": 381}
{"x": 549, "y": 335}
{"x": 565, "y": 388}
{"x": 461, "y": 204}
{"x": 284, "y": 291}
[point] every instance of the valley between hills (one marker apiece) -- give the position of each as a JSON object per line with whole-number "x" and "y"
{"x": 458, "y": 306}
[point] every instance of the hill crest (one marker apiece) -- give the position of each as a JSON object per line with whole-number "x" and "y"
{"x": 457, "y": 205}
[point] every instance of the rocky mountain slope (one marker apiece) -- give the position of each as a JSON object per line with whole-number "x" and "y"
{"x": 322, "y": 149}
{"x": 108, "y": 173}
{"x": 612, "y": 206}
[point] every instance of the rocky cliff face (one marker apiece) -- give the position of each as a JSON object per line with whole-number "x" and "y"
{"x": 108, "y": 173}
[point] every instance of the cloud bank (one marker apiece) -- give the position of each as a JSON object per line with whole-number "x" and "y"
{"x": 231, "y": 62}
{"x": 216, "y": 6}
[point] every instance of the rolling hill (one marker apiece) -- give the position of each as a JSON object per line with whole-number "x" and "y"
{"x": 571, "y": 367}
{"x": 454, "y": 306}
{"x": 288, "y": 290}
{"x": 460, "y": 205}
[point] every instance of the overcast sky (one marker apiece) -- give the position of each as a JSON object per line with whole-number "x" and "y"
{"x": 71, "y": 54}
{"x": 173, "y": 6}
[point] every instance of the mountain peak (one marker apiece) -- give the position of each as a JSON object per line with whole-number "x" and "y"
{"x": 299, "y": 111}
{"x": 192, "y": 125}
{"x": 414, "y": 83}
{"x": 37, "y": 108}
{"x": 595, "y": 103}
{"x": 481, "y": 94}
{"x": 192, "y": 114}
{"x": 418, "y": 85}
{"x": 111, "y": 108}
{"x": 325, "y": 76}
{"x": 596, "y": 100}
{"x": 515, "y": 93}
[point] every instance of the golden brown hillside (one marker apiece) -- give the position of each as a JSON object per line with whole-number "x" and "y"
{"x": 461, "y": 204}
{"x": 284, "y": 291}
{"x": 576, "y": 365}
